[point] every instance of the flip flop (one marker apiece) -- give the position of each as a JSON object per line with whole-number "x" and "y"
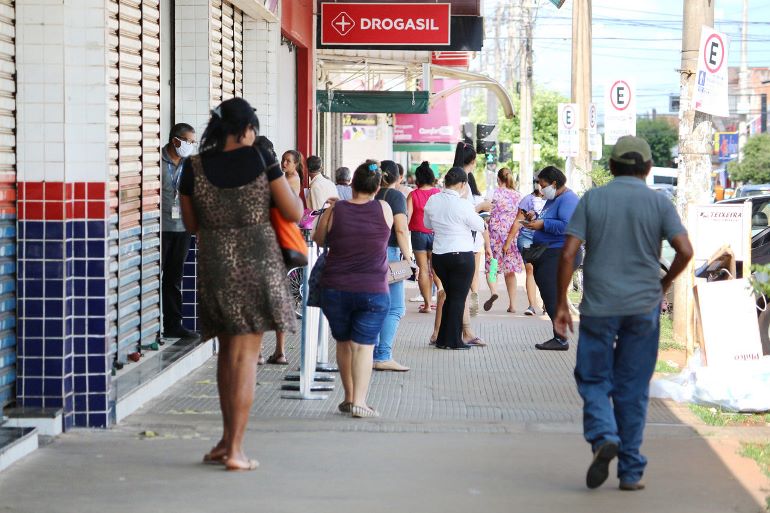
{"x": 252, "y": 465}
{"x": 511, "y": 310}
{"x": 490, "y": 302}
{"x": 476, "y": 341}
{"x": 423, "y": 310}
{"x": 210, "y": 460}
{"x": 278, "y": 360}
{"x": 432, "y": 342}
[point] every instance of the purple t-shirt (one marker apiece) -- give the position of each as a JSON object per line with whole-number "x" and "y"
{"x": 530, "y": 202}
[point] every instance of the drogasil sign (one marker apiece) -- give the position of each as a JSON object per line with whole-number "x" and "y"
{"x": 385, "y": 24}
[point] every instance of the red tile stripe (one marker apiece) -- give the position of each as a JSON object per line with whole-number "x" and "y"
{"x": 59, "y": 201}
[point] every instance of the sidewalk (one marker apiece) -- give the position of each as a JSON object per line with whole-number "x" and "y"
{"x": 494, "y": 429}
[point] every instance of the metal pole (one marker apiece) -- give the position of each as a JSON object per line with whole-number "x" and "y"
{"x": 695, "y": 143}
{"x": 582, "y": 165}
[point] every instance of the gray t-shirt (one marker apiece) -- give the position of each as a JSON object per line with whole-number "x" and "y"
{"x": 623, "y": 225}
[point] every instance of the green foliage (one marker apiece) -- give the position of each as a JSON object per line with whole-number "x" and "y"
{"x": 759, "y": 453}
{"x": 600, "y": 175}
{"x": 719, "y": 417}
{"x": 667, "y": 341}
{"x": 661, "y": 137}
{"x": 666, "y": 367}
{"x": 755, "y": 166}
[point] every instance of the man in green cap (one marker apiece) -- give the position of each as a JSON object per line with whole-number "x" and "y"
{"x": 622, "y": 225}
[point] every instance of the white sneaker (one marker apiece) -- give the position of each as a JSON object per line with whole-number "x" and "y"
{"x": 417, "y": 299}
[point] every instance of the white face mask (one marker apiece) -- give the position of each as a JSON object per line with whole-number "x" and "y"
{"x": 549, "y": 192}
{"x": 185, "y": 149}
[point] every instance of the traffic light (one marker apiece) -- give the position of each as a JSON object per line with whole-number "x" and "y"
{"x": 485, "y": 142}
{"x": 506, "y": 152}
{"x": 467, "y": 130}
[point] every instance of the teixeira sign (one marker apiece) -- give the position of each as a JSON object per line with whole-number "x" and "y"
{"x": 386, "y": 24}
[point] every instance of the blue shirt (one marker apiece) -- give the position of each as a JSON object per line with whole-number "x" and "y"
{"x": 556, "y": 215}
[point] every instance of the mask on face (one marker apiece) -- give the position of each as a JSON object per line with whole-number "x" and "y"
{"x": 185, "y": 149}
{"x": 549, "y": 192}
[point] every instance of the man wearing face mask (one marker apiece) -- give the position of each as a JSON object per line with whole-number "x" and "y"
{"x": 175, "y": 238}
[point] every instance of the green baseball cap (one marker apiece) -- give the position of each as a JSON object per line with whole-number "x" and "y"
{"x": 630, "y": 144}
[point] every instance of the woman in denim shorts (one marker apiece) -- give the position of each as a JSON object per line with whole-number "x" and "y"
{"x": 355, "y": 297}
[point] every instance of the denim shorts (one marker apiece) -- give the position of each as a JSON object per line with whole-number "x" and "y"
{"x": 523, "y": 243}
{"x": 356, "y": 316}
{"x": 422, "y": 241}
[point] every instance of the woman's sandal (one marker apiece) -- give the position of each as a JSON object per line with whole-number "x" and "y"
{"x": 424, "y": 310}
{"x": 208, "y": 459}
{"x": 251, "y": 465}
{"x": 359, "y": 412}
{"x": 432, "y": 342}
{"x": 278, "y": 360}
{"x": 490, "y": 302}
{"x": 511, "y": 310}
{"x": 476, "y": 341}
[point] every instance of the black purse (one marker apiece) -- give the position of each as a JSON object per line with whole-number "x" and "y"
{"x": 533, "y": 253}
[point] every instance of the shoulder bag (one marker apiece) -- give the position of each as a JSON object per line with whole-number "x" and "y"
{"x": 316, "y": 274}
{"x": 400, "y": 270}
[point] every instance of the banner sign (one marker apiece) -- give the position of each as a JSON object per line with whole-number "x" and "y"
{"x": 726, "y": 146}
{"x": 711, "y": 88}
{"x": 619, "y": 110}
{"x": 719, "y": 225}
{"x": 569, "y": 141}
{"x": 440, "y": 125}
{"x": 383, "y": 24}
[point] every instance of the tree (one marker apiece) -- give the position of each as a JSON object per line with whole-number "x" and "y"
{"x": 659, "y": 134}
{"x": 755, "y": 165}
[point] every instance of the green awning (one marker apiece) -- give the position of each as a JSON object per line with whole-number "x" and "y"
{"x": 386, "y": 102}
{"x": 419, "y": 147}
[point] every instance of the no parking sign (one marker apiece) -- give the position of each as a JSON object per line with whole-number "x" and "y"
{"x": 711, "y": 87}
{"x": 569, "y": 142}
{"x": 620, "y": 110}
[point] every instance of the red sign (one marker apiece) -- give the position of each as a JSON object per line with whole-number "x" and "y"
{"x": 385, "y": 24}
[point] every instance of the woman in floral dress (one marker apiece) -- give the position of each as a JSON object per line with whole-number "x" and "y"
{"x": 501, "y": 224}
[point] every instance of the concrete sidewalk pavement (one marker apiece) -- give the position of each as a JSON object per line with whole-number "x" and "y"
{"x": 493, "y": 429}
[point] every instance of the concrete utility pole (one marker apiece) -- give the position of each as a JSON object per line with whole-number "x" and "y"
{"x": 695, "y": 144}
{"x": 581, "y": 165}
{"x": 744, "y": 103}
{"x": 526, "y": 137}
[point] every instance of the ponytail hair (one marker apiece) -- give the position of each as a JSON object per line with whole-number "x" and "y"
{"x": 464, "y": 154}
{"x": 472, "y": 184}
{"x": 506, "y": 177}
{"x": 231, "y": 117}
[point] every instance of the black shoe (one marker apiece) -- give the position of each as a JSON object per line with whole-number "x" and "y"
{"x": 180, "y": 332}
{"x": 463, "y": 347}
{"x": 599, "y": 470}
{"x": 553, "y": 345}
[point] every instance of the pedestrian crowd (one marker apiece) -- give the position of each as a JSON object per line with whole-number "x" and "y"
{"x": 376, "y": 232}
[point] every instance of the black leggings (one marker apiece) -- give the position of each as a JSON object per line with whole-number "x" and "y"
{"x": 546, "y": 273}
{"x": 455, "y": 270}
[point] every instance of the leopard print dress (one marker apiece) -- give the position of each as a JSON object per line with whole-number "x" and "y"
{"x": 242, "y": 285}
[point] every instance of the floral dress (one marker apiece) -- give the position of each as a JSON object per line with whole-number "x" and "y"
{"x": 501, "y": 221}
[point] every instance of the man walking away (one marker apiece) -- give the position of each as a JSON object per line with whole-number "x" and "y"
{"x": 176, "y": 239}
{"x": 321, "y": 188}
{"x": 622, "y": 225}
{"x": 344, "y": 177}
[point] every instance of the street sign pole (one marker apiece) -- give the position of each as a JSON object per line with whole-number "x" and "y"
{"x": 579, "y": 178}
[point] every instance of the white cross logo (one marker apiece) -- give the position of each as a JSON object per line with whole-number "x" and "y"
{"x": 343, "y": 23}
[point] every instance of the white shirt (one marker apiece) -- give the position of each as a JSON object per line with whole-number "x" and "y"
{"x": 452, "y": 220}
{"x": 321, "y": 189}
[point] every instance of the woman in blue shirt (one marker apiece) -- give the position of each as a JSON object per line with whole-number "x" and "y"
{"x": 549, "y": 231}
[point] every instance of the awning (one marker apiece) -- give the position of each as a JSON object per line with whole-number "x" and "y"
{"x": 393, "y": 102}
{"x": 423, "y": 147}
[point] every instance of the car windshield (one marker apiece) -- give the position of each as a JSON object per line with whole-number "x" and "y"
{"x": 760, "y": 213}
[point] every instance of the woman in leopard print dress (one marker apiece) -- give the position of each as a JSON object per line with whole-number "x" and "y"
{"x": 226, "y": 193}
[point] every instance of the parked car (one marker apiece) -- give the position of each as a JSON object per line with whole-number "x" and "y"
{"x": 749, "y": 190}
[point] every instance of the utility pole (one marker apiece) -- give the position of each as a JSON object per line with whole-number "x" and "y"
{"x": 744, "y": 104}
{"x": 581, "y": 166}
{"x": 526, "y": 139}
{"x": 695, "y": 144}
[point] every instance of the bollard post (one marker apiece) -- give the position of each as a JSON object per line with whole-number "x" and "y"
{"x": 308, "y": 348}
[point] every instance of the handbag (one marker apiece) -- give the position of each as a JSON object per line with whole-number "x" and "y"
{"x": 399, "y": 271}
{"x": 533, "y": 253}
{"x": 314, "y": 287}
{"x": 287, "y": 234}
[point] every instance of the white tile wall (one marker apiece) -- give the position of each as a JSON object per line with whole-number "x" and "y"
{"x": 192, "y": 63}
{"x": 261, "y": 41}
{"x": 62, "y": 84}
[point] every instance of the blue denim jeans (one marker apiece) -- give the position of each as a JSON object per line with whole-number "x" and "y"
{"x": 615, "y": 361}
{"x": 384, "y": 349}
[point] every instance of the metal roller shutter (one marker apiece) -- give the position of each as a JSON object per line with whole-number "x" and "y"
{"x": 134, "y": 58}
{"x": 7, "y": 204}
{"x": 226, "y": 51}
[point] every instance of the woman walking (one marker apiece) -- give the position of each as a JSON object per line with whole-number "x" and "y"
{"x": 422, "y": 238}
{"x": 355, "y": 297}
{"x": 226, "y": 193}
{"x": 453, "y": 221}
{"x": 502, "y": 225}
{"x": 549, "y": 235}
{"x": 398, "y": 246}
{"x": 291, "y": 164}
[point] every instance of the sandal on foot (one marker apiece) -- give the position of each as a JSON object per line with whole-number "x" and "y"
{"x": 278, "y": 360}
{"x": 422, "y": 309}
{"x": 490, "y": 302}
{"x": 511, "y": 310}
{"x": 476, "y": 341}
{"x": 432, "y": 342}
{"x": 359, "y": 412}
{"x": 208, "y": 459}
{"x": 250, "y": 465}
{"x": 344, "y": 407}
